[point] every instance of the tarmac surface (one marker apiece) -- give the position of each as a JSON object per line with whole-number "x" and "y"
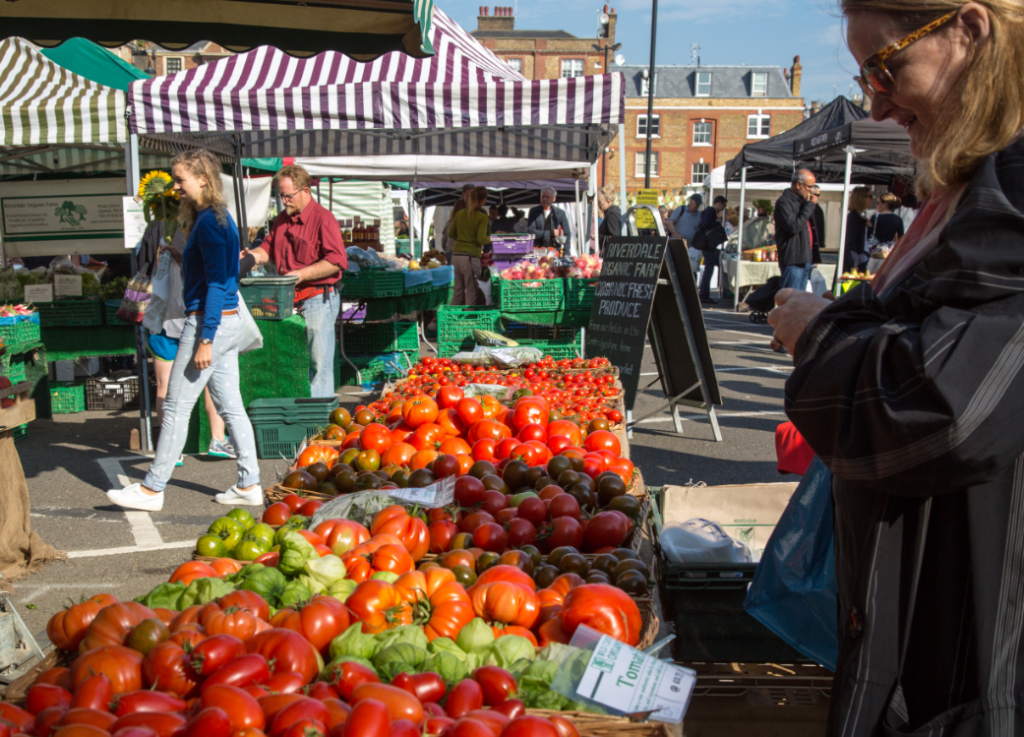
{"x": 71, "y": 462}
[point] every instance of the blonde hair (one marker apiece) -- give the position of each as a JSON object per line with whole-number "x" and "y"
{"x": 860, "y": 199}
{"x": 202, "y": 163}
{"x": 985, "y": 108}
{"x": 891, "y": 201}
{"x": 298, "y": 175}
{"x": 608, "y": 194}
{"x": 473, "y": 200}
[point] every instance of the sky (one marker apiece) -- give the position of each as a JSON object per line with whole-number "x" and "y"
{"x": 755, "y": 32}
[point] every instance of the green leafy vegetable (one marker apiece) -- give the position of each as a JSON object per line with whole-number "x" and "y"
{"x": 475, "y": 634}
{"x": 402, "y": 654}
{"x": 353, "y": 643}
{"x": 510, "y": 648}
{"x": 203, "y": 591}
{"x": 446, "y": 645}
{"x": 295, "y": 551}
{"x": 166, "y": 596}
{"x": 449, "y": 666}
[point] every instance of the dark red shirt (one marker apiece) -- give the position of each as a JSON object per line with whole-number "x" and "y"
{"x": 311, "y": 236}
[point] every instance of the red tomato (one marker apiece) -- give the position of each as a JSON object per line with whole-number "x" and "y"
{"x": 241, "y": 672}
{"x": 164, "y": 724}
{"x": 376, "y": 437}
{"x": 428, "y": 437}
{"x": 191, "y": 570}
{"x": 401, "y": 432}
{"x": 529, "y": 410}
{"x": 469, "y": 491}
{"x": 419, "y": 411}
{"x": 147, "y": 701}
{"x": 347, "y": 676}
{"x": 533, "y": 431}
{"x": 209, "y": 722}
{"x": 405, "y": 728}
{"x": 521, "y": 532}
{"x": 56, "y": 677}
{"x": 491, "y": 537}
{"x": 497, "y": 684}
{"x": 484, "y": 450}
{"x": 470, "y": 410}
{"x": 121, "y": 665}
{"x": 305, "y": 708}
{"x": 607, "y": 609}
{"x": 485, "y": 430}
{"x": 412, "y": 531}
{"x": 214, "y": 652}
{"x": 43, "y": 696}
{"x": 309, "y": 508}
{"x": 98, "y": 718}
{"x": 565, "y": 531}
{"x": 449, "y": 396}
{"x": 369, "y": 718}
{"x": 337, "y": 712}
{"x": 441, "y": 534}
{"x": 94, "y": 692}
{"x": 511, "y": 708}
{"x": 557, "y": 443}
{"x": 569, "y": 430}
{"x": 506, "y": 447}
{"x": 534, "y": 510}
{"x": 466, "y": 696}
{"x": 505, "y": 602}
{"x": 400, "y": 704}
{"x": 319, "y": 621}
{"x": 564, "y": 505}
{"x": 294, "y": 502}
{"x": 341, "y": 535}
{"x": 565, "y": 727}
{"x": 290, "y": 651}
{"x": 494, "y": 721}
{"x": 606, "y": 529}
{"x": 527, "y": 726}
{"x": 242, "y": 709}
{"x": 449, "y": 421}
{"x": 603, "y": 440}
{"x": 427, "y": 687}
{"x": 169, "y": 669}
{"x": 399, "y": 454}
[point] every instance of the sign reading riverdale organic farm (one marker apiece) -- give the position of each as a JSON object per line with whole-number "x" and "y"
{"x": 622, "y": 305}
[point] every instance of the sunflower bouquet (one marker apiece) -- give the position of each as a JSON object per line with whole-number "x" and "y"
{"x": 160, "y": 201}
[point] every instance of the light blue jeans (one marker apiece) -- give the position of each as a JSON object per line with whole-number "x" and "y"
{"x": 796, "y": 276}
{"x": 321, "y": 315}
{"x": 186, "y": 386}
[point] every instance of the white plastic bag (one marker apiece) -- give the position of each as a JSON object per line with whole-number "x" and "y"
{"x": 252, "y": 338}
{"x": 702, "y": 541}
{"x": 817, "y": 284}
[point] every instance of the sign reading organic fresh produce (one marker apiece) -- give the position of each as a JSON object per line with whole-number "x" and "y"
{"x": 622, "y": 305}
{"x": 61, "y": 217}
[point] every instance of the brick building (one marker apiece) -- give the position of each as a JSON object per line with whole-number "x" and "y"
{"x": 158, "y": 61}
{"x": 546, "y": 54}
{"x": 703, "y": 116}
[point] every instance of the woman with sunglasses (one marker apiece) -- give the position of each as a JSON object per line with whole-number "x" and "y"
{"x": 911, "y": 388}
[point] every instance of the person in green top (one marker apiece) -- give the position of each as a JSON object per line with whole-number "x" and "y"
{"x": 471, "y": 232}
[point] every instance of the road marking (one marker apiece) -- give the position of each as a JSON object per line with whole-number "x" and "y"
{"x": 145, "y": 532}
{"x": 720, "y": 415}
{"x": 756, "y": 368}
{"x": 42, "y": 588}
{"x": 130, "y": 549}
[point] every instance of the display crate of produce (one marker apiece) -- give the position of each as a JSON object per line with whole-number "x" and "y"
{"x": 373, "y": 283}
{"x": 119, "y": 391}
{"x": 528, "y": 295}
{"x": 16, "y": 372}
{"x": 374, "y": 368}
{"x": 110, "y": 308}
{"x": 455, "y": 323}
{"x": 70, "y": 312}
{"x": 19, "y": 328}
{"x": 67, "y": 397}
{"x": 579, "y": 294}
{"x": 269, "y": 297}
{"x": 506, "y": 244}
{"x": 381, "y": 337}
{"x": 705, "y": 601}
{"x": 416, "y": 281}
{"x": 556, "y": 341}
{"x": 282, "y": 424}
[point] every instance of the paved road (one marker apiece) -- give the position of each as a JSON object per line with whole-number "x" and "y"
{"x": 71, "y": 462}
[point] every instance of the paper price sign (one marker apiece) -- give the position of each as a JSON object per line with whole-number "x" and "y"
{"x": 67, "y": 285}
{"x": 644, "y": 218}
{"x": 39, "y": 293}
{"x": 439, "y": 494}
{"x": 625, "y": 679}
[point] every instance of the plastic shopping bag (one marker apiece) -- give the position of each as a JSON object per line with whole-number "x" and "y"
{"x": 794, "y": 589}
{"x": 153, "y": 319}
{"x": 252, "y": 338}
{"x": 817, "y": 283}
{"x": 136, "y": 300}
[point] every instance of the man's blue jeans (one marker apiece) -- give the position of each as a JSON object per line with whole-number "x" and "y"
{"x": 321, "y": 315}
{"x": 796, "y": 276}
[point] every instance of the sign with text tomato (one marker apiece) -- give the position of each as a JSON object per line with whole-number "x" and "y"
{"x": 622, "y": 305}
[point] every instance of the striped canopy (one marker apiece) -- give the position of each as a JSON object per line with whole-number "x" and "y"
{"x": 465, "y": 101}
{"x": 364, "y": 29}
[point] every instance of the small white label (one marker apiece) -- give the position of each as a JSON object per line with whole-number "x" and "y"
{"x": 134, "y": 221}
{"x": 626, "y": 679}
{"x": 67, "y": 285}
{"x": 439, "y": 494}
{"x": 39, "y": 293}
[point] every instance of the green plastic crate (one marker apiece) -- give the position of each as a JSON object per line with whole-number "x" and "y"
{"x": 449, "y": 349}
{"x": 67, "y": 397}
{"x": 381, "y": 337}
{"x": 373, "y": 283}
{"x": 282, "y": 424}
{"x": 541, "y": 295}
{"x": 301, "y": 408}
{"x": 71, "y": 312}
{"x": 456, "y": 323}
{"x": 19, "y": 433}
{"x": 579, "y": 294}
{"x": 16, "y": 372}
{"x": 22, "y": 331}
{"x": 110, "y": 308}
{"x": 373, "y": 368}
{"x": 556, "y": 341}
{"x": 268, "y": 298}
{"x": 275, "y": 439}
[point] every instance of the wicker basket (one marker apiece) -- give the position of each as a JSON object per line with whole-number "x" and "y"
{"x": 17, "y": 689}
{"x": 601, "y": 725}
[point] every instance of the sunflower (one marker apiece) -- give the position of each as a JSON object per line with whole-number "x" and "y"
{"x": 155, "y": 183}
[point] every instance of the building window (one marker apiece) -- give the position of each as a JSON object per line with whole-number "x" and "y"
{"x": 516, "y": 64}
{"x": 758, "y": 84}
{"x": 702, "y": 134}
{"x": 703, "y": 84}
{"x": 572, "y": 67}
{"x": 699, "y": 172}
{"x": 172, "y": 64}
{"x": 759, "y": 126}
{"x": 641, "y": 126}
{"x": 640, "y": 170}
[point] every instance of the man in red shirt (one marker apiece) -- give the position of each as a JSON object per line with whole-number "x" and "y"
{"x": 305, "y": 241}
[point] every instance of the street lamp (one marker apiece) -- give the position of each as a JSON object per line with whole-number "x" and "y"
{"x": 605, "y": 48}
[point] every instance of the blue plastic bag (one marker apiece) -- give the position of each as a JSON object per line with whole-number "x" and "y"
{"x": 794, "y": 589}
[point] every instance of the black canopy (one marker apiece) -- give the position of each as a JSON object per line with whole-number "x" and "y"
{"x": 512, "y": 194}
{"x": 772, "y": 160}
{"x": 876, "y": 145}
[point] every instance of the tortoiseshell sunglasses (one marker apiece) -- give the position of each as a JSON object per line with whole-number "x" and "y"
{"x": 875, "y": 78}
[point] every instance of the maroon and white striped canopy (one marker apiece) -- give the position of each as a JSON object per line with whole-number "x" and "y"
{"x": 463, "y": 101}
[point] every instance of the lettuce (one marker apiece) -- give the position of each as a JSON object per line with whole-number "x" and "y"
{"x": 410, "y": 633}
{"x": 295, "y": 551}
{"x": 475, "y": 634}
{"x": 326, "y": 570}
{"x": 446, "y": 664}
{"x": 353, "y": 643}
{"x": 165, "y": 596}
{"x": 510, "y": 648}
{"x": 203, "y": 591}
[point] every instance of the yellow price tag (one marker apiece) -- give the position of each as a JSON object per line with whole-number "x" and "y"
{"x": 645, "y": 219}
{"x": 647, "y": 197}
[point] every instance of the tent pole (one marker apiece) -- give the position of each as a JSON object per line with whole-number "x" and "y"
{"x": 579, "y": 220}
{"x": 739, "y": 241}
{"x": 596, "y": 247}
{"x": 842, "y": 231}
{"x": 622, "y": 175}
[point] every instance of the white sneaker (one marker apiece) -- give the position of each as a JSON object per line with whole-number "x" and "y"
{"x": 133, "y": 497}
{"x": 251, "y": 498}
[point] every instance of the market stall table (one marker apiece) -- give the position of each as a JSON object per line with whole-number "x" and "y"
{"x": 756, "y": 273}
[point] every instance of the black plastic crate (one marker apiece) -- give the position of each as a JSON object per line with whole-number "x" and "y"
{"x": 121, "y": 394}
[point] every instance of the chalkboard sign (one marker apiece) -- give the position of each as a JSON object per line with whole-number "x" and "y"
{"x": 622, "y": 305}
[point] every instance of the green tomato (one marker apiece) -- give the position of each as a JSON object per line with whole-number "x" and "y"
{"x": 211, "y": 546}
{"x": 520, "y": 497}
{"x": 250, "y": 549}
{"x": 261, "y": 532}
{"x": 228, "y": 530}
{"x": 242, "y": 516}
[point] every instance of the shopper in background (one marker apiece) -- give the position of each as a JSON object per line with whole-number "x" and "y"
{"x": 711, "y": 253}
{"x": 448, "y": 242}
{"x": 887, "y": 226}
{"x": 684, "y": 220}
{"x": 855, "y": 250}
{"x": 208, "y": 347}
{"x": 470, "y": 232}
{"x": 793, "y": 212}
{"x": 305, "y": 241}
{"x": 546, "y": 222}
{"x": 908, "y": 211}
{"x": 911, "y": 389}
{"x": 817, "y": 226}
{"x": 611, "y": 223}
{"x": 519, "y": 218}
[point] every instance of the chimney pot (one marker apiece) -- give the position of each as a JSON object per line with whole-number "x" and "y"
{"x": 606, "y": 8}
{"x": 613, "y": 11}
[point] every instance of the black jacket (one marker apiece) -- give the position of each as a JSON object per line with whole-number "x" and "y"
{"x": 914, "y": 400}
{"x": 611, "y": 226}
{"x": 535, "y": 225}
{"x": 856, "y": 239}
{"x": 791, "y": 234}
{"x": 818, "y": 234}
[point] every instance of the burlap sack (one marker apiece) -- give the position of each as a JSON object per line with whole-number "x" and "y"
{"x": 21, "y": 550}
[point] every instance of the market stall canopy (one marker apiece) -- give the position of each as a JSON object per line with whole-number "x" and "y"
{"x": 504, "y": 193}
{"x": 885, "y": 144}
{"x": 440, "y": 169}
{"x": 92, "y": 61}
{"x": 463, "y": 102}
{"x": 772, "y": 159}
{"x": 363, "y": 29}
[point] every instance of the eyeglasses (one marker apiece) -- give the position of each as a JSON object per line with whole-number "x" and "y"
{"x": 875, "y": 78}
{"x": 290, "y": 197}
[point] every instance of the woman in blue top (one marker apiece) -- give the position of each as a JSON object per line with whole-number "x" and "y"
{"x": 208, "y": 347}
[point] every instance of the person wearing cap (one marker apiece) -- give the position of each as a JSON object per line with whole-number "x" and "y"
{"x": 683, "y": 223}
{"x": 305, "y": 241}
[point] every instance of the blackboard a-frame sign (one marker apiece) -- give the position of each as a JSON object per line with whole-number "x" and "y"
{"x": 622, "y": 305}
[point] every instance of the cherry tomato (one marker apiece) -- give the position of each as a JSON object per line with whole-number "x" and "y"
{"x": 466, "y": 696}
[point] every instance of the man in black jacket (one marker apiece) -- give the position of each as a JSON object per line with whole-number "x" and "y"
{"x": 793, "y": 210}
{"x": 547, "y": 222}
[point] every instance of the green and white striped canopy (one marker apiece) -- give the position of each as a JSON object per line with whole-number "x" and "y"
{"x": 43, "y": 103}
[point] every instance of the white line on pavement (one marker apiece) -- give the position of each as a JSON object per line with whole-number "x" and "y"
{"x": 130, "y": 549}
{"x": 720, "y": 415}
{"x": 42, "y": 588}
{"x": 771, "y": 369}
{"x": 145, "y": 532}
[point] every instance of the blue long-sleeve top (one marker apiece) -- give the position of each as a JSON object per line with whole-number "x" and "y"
{"x": 210, "y": 270}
